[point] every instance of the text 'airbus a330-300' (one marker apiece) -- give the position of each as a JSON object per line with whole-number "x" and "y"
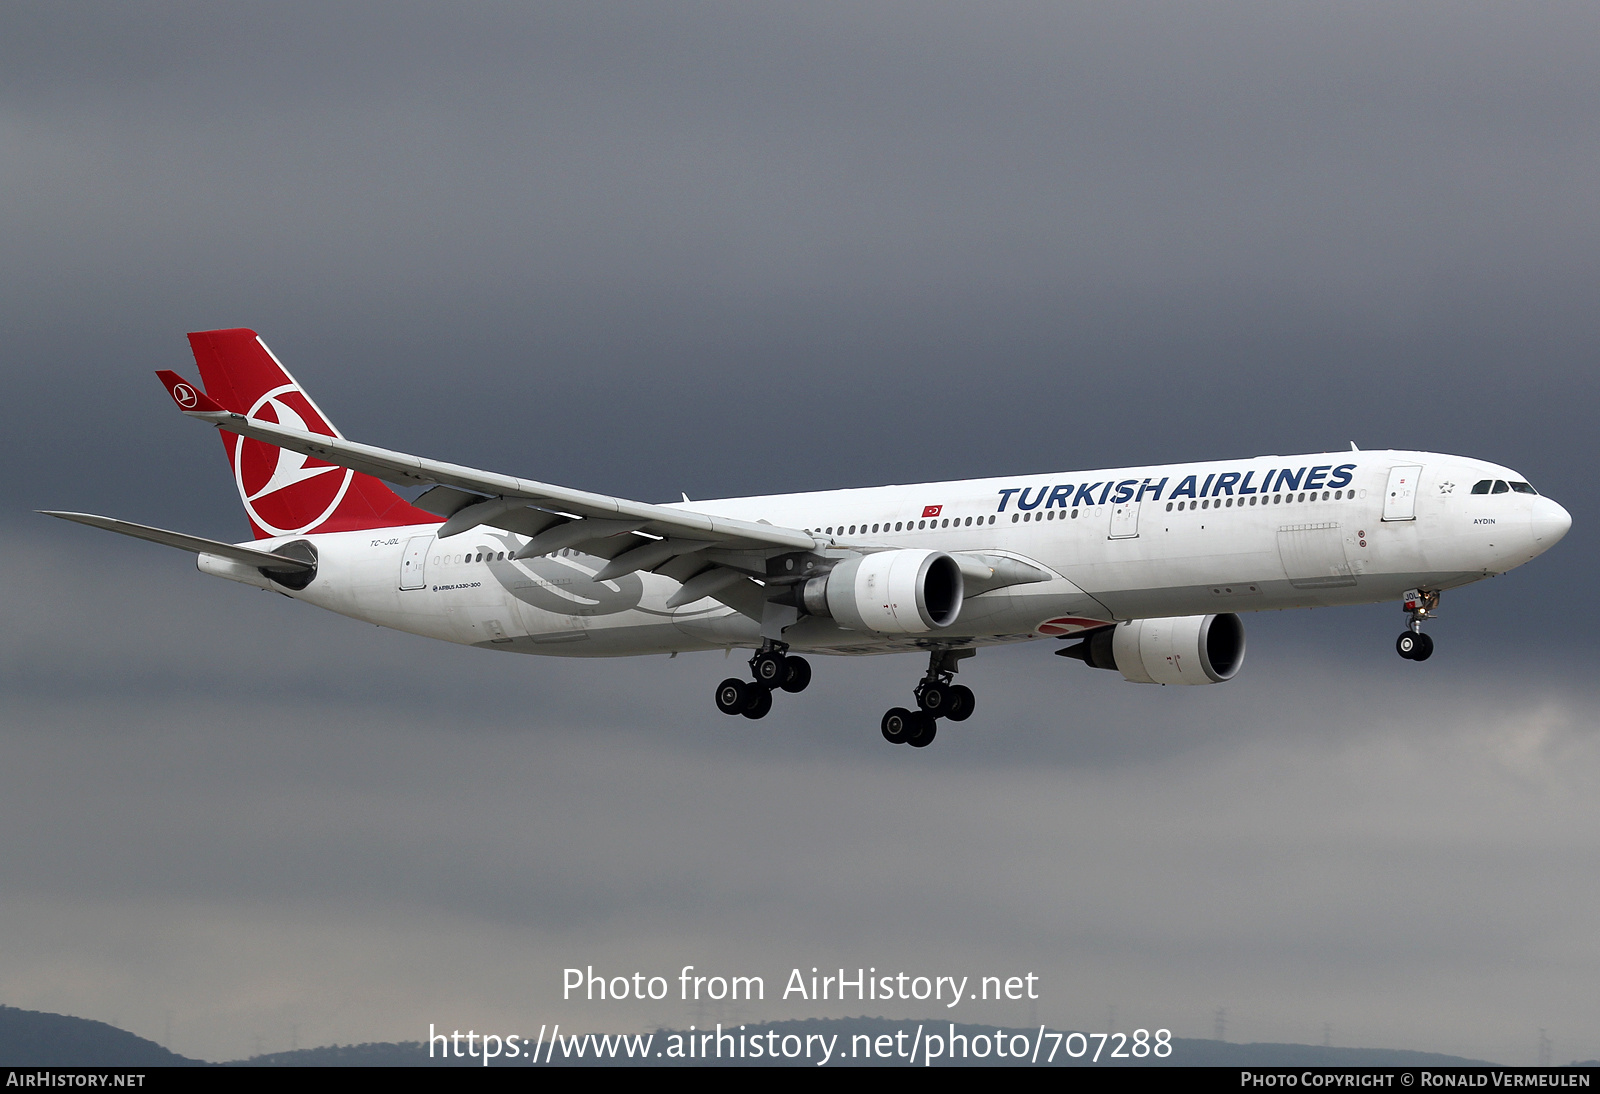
{"x": 1143, "y": 570}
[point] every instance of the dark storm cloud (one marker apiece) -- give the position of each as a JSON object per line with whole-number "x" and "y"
{"x": 739, "y": 249}
{"x": 1108, "y": 236}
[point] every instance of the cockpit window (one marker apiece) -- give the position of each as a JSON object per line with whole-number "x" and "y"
{"x": 1482, "y": 486}
{"x": 1523, "y": 488}
{"x": 1500, "y": 487}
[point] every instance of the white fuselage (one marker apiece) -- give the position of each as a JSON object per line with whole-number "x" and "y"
{"x": 1129, "y": 543}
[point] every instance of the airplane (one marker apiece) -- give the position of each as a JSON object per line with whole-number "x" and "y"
{"x": 1144, "y": 570}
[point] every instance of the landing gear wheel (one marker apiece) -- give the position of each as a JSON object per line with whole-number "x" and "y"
{"x": 896, "y": 725}
{"x": 1424, "y": 648}
{"x": 770, "y": 668}
{"x": 962, "y": 703}
{"x": 1408, "y": 645}
{"x": 758, "y": 704}
{"x": 798, "y": 676}
{"x": 935, "y": 699}
{"x": 924, "y": 729}
{"x": 733, "y": 694}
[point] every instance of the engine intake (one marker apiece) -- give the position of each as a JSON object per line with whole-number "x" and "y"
{"x": 1189, "y": 649}
{"x": 889, "y": 592}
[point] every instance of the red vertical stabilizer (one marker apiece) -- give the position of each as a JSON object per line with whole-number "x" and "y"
{"x": 286, "y": 493}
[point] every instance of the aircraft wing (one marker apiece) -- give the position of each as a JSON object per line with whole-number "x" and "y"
{"x": 554, "y": 516}
{"x": 250, "y": 556}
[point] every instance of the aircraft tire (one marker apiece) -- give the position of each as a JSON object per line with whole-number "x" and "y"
{"x": 732, "y": 695}
{"x": 922, "y": 735}
{"x": 798, "y": 676}
{"x": 962, "y": 703}
{"x": 769, "y": 668}
{"x": 896, "y": 725}
{"x": 759, "y": 703}
{"x": 1424, "y": 648}
{"x": 936, "y": 700}
{"x": 1407, "y": 645}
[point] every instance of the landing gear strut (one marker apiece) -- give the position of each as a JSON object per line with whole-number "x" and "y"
{"x": 937, "y": 697}
{"x": 772, "y": 668}
{"x": 1412, "y": 644}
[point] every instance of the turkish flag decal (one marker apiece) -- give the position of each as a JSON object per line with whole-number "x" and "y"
{"x": 931, "y": 510}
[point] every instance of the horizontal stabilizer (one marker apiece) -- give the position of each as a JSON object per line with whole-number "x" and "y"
{"x": 197, "y": 545}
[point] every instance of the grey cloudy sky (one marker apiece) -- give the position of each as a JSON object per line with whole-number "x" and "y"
{"x": 741, "y": 249}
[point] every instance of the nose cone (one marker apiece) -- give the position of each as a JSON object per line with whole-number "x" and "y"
{"x": 1549, "y": 522}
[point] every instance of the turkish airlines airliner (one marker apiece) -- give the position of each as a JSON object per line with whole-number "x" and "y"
{"x": 1144, "y": 570}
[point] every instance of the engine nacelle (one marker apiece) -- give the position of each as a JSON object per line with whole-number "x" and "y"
{"x": 1190, "y": 649}
{"x": 889, "y": 592}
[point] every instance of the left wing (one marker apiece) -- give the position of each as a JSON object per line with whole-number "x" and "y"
{"x": 632, "y": 535}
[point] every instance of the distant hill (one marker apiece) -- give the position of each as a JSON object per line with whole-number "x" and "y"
{"x": 31, "y": 1038}
{"x": 34, "y": 1039}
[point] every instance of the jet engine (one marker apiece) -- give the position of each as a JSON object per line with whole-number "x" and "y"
{"x": 1190, "y": 649}
{"x": 889, "y": 592}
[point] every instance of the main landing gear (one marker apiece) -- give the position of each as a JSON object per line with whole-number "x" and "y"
{"x": 1412, "y": 644}
{"x": 772, "y": 669}
{"x": 937, "y": 697}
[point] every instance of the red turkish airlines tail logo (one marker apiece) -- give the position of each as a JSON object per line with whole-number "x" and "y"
{"x": 285, "y": 493}
{"x": 281, "y": 489}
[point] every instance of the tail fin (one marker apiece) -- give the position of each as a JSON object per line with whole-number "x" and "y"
{"x": 285, "y": 493}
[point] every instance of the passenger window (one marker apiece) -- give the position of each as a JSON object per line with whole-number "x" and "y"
{"x": 1482, "y": 486}
{"x": 1500, "y": 487}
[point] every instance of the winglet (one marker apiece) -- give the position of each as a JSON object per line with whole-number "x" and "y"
{"x": 190, "y": 399}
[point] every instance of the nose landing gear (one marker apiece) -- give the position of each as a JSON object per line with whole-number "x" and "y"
{"x": 1412, "y": 644}
{"x": 772, "y": 669}
{"x": 937, "y": 697}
